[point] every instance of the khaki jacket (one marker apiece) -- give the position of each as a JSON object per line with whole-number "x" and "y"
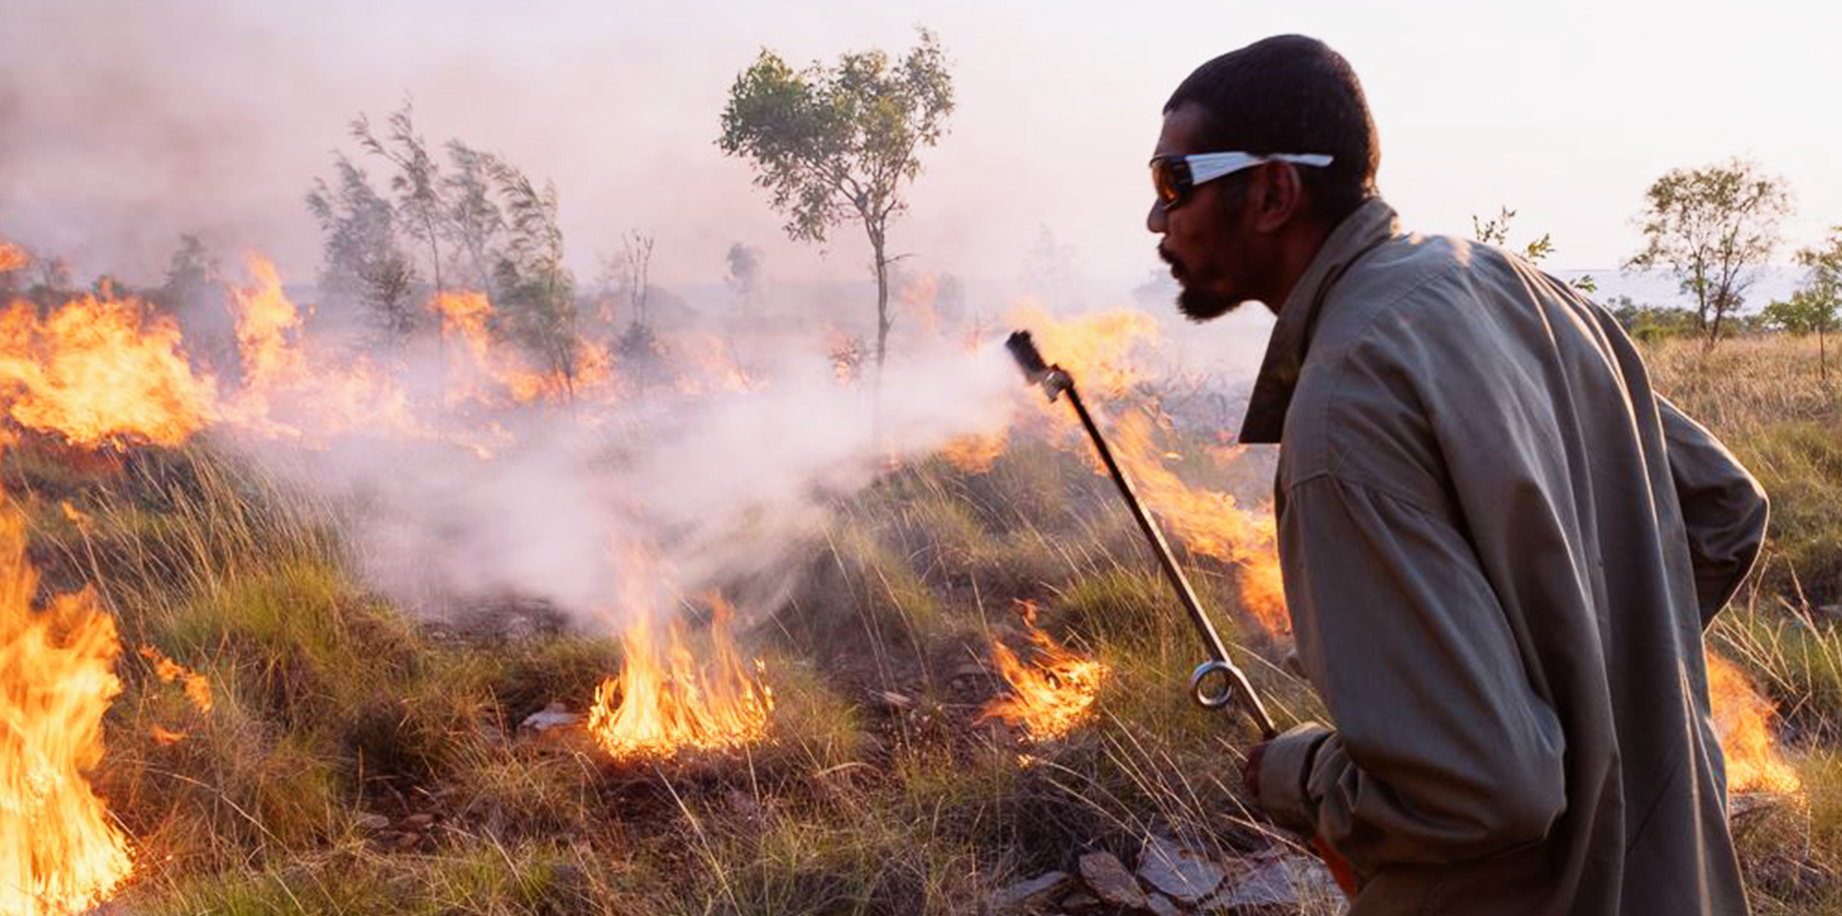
{"x": 1500, "y": 549}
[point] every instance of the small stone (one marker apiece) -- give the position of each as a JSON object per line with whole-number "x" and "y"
{"x": 419, "y": 822}
{"x": 373, "y": 823}
{"x": 1110, "y": 881}
{"x": 1183, "y": 874}
{"x": 407, "y": 841}
{"x": 556, "y": 715}
{"x": 1283, "y": 881}
{"x": 1160, "y": 905}
{"x": 1028, "y": 896}
{"x": 1080, "y": 902}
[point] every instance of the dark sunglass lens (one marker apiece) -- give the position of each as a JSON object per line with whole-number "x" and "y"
{"x": 1164, "y": 179}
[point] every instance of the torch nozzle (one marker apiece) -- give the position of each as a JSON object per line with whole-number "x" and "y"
{"x": 1037, "y": 370}
{"x": 1029, "y": 359}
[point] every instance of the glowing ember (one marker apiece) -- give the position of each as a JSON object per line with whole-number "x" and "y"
{"x": 664, "y": 702}
{"x": 1743, "y": 719}
{"x": 1050, "y": 695}
{"x": 59, "y": 851}
{"x": 197, "y": 686}
{"x": 97, "y": 371}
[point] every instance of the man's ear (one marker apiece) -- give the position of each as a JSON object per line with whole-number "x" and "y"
{"x": 1278, "y": 196}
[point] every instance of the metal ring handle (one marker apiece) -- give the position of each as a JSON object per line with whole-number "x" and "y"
{"x": 1199, "y": 682}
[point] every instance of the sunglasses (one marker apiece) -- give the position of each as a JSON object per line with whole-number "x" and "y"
{"x": 1174, "y": 176}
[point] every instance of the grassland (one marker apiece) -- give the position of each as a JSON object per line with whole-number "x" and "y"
{"x": 359, "y": 761}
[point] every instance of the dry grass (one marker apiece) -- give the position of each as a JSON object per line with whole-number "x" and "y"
{"x": 332, "y": 705}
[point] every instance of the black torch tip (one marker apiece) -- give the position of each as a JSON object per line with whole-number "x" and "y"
{"x": 1029, "y": 359}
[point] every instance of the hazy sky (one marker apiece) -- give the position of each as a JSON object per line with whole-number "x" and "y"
{"x": 123, "y": 124}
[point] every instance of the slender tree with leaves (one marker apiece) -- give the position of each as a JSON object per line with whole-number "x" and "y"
{"x": 835, "y": 144}
{"x": 363, "y": 260}
{"x": 417, "y": 181}
{"x": 538, "y": 291}
{"x": 474, "y": 219}
{"x": 1713, "y": 228}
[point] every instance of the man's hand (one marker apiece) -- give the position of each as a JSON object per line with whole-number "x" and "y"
{"x": 1339, "y": 867}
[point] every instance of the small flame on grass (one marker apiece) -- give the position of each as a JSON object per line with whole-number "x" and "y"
{"x": 197, "y": 686}
{"x": 1743, "y": 719}
{"x": 1050, "y": 695}
{"x": 663, "y": 702}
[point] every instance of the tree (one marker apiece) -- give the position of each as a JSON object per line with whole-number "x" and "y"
{"x": 538, "y": 291}
{"x": 744, "y": 274}
{"x": 417, "y": 182}
{"x": 837, "y": 143}
{"x": 1816, "y": 307}
{"x": 362, "y": 259}
{"x": 636, "y": 272}
{"x": 1713, "y": 228}
{"x": 474, "y": 219}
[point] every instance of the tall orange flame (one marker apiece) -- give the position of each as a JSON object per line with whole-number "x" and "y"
{"x": 1743, "y": 719}
{"x": 1208, "y": 522}
{"x": 59, "y": 851}
{"x": 288, "y": 391}
{"x": 97, "y": 371}
{"x": 1052, "y": 693}
{"x": 663, "y": 702}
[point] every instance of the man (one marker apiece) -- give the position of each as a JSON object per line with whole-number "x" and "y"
{"x": 1500, "y": 547}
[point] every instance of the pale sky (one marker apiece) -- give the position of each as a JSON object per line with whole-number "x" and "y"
{"x": 124, "y": 124}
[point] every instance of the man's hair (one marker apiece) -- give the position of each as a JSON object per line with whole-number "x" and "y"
{"x": 1290, "y": 94}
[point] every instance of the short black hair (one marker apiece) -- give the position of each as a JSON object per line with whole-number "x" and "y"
{"x": 1291, "y": 94}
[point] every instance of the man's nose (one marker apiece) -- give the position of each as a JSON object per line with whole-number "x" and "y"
{"x": 1157, "y": 220}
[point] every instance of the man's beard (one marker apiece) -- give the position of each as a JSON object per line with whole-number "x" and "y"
{"x": 1195, "y": 303}
{"x": 1200, "y": 305}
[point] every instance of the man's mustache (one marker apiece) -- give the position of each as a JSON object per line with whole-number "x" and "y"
{"x": 1171, "y": 259}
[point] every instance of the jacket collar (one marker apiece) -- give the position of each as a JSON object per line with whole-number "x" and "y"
{"x": 1371, "y": 224}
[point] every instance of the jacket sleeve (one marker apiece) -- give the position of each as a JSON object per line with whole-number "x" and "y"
{"x": 1446, "y": 753}
{"x": 1723, "y": 508}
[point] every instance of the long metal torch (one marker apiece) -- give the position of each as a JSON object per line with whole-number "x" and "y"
{"x": 1235, "y": 689}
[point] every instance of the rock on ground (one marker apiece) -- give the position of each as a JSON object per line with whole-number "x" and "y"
{"x": 1184, "y": 875}
{"x": 1109, "y": 880}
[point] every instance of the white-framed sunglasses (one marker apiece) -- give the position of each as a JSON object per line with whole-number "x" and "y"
{"x": 1173, "y": 176}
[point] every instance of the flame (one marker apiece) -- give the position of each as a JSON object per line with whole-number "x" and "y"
{"x": 1097, "y": 349}
{"x": 12, "y": 257}
{"x": 59, "y": 851}
{"x": 1743, "y": 719}
{"x": 715, "y": 366}
{"x": 197, "y": 686}
{"x": 663, "y": 701}
{"x": 977, "y": 452}
{"x": 98, "y": 372}
{"x": 466, "y": 316}
{"x": 1053, "y": 693}
{"x": 283, "y": 394}
{"x": 1100, "y": 350}
{"x": 917, "y": 299}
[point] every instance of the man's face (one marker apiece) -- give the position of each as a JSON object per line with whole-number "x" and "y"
{"x": 1208, "y": 242}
